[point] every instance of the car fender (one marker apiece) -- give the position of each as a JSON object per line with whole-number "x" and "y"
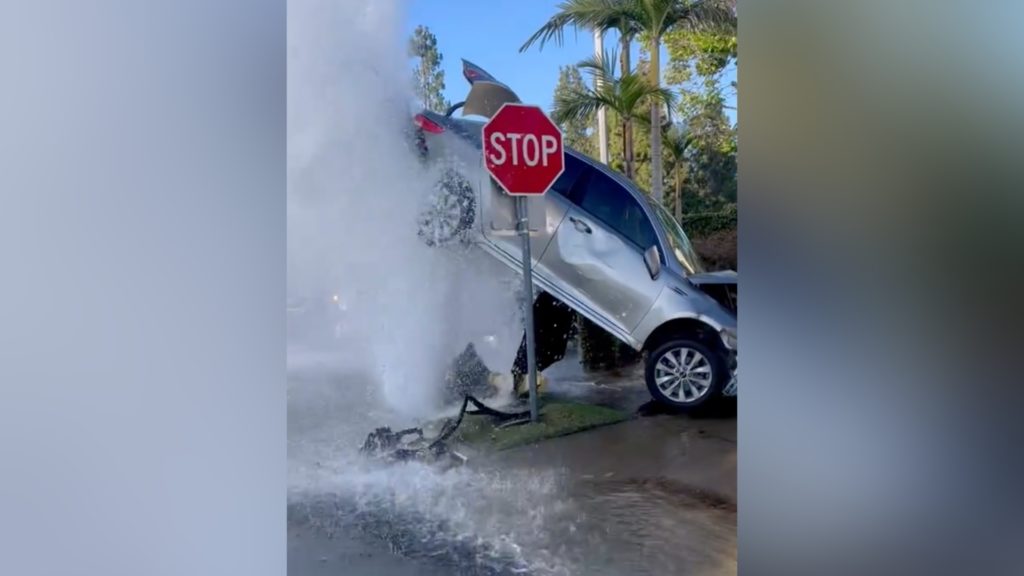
{"x": 674, "y": 306}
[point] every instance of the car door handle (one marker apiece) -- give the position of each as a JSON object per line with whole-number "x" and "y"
{"x": 580, "y": 225}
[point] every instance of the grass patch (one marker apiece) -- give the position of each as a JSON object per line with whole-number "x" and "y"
{"x": 556, "y": 419}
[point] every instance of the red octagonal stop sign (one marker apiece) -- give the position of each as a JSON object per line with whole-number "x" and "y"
{"x": 523, "y": 150}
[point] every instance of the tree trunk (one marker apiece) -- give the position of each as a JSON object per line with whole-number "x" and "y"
{"x": 627, "y": 123}
{"x": 679, "y": 191}
{"x": 627, "y": 146}
{"x": 602, "y": 112}
{"x": 624, "y": 57}
{"x": 657, "y": 172}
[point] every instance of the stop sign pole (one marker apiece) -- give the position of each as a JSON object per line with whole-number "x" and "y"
{"x": 522, "y": 225}
{"x": 523, "y": 152}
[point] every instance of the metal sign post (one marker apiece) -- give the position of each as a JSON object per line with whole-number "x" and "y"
{"x": 523, "y": 152}
{"x": 523, "y": 226}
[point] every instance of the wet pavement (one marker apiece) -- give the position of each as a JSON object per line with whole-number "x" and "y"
{"x": 622, "y": 388}
{"x": 652, "y": 495}
{"x": 314, "y": 552}
{"x": 656, "y": 495}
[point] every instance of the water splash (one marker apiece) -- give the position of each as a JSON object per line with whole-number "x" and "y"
{"x": 354, "y": 191}
{"x": 484, "y": 521}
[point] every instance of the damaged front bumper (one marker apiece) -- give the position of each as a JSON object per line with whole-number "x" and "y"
{"x": 731, "y": 388}
{"x": 730, "y": 341}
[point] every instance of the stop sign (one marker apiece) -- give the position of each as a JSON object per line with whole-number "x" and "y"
{"x": 523, "y": 150}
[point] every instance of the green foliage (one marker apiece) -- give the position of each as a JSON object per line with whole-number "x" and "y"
{"x": 700, "y": 37}
{"x": 701, "y": 53}
{"x": 713, "y": 148}
{"x": 641, "y": 149}
{"x": 718, "y": 250}
{"x": 633, "y": 18}
{"x": 584, "y": 15}
{"x": 428, "y": 77}
{"x": 677, "y": 141}
{"x": 655, "y": 18}
{"x": 577, "y": 132}
{"x": 624, "y": 95}
{"x": 698, "y": 57}
{"x": 702, "y": 225}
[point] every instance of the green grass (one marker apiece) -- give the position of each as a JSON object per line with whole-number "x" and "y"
{"x": 556, "y": 419}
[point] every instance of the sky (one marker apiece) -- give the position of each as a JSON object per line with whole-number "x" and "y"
{"x": 489, "y": 34}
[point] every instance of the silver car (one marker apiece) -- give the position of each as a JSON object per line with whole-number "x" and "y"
{"x": 598, "y": 244}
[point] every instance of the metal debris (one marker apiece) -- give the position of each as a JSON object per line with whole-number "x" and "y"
{"x": 390, "y": 446}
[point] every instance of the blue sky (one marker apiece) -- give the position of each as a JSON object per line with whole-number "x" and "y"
{"x": 489, "y": 34}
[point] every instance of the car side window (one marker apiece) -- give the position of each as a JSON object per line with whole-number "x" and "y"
{"x": 608, "y": 201}
{"x": 574, "y": 167}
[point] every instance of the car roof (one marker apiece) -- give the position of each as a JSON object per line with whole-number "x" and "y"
{"x": 471, "y": 128}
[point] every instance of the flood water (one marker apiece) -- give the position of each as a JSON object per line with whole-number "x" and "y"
{"x": 354, "y": 193}
{"x": 494, "y": 516}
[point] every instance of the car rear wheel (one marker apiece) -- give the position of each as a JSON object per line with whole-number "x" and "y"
{"x": 449, "y": 211}
{"x": 686, "y": 373}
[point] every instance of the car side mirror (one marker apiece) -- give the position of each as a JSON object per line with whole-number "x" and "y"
{"x": 652, "y": 258}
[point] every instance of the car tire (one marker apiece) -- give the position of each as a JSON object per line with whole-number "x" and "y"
{"x": 449, "y": 212}
{"x": 686, "y": 373}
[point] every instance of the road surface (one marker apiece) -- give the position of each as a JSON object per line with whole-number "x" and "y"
{"x": 653, "y": 495}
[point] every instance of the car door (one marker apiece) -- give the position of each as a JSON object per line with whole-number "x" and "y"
{"x": 596, "y": 255}
{"x": 546, "y": 214}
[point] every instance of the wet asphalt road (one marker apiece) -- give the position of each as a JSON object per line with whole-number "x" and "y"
{"x": 314, "y": 553}
{"x": 595, "y": 503}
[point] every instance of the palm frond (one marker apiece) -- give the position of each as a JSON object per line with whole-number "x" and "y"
{"x": 579, "y": 14}
{"x": 578, "y": 105}
{"x": 601, "y": 68}
{"x": 636, "y": 90}
{"x": 553, "y": 29}
{"x": 655, "y": 16}
{"x": 705, "y": 15}
{"x": 677, "y": 141}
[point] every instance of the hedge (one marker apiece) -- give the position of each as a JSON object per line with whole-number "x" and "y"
{"x": 704, "y": 224}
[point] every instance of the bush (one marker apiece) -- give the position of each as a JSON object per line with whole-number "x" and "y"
{"x": 705, "y": 224}
{"x": 718, "y": 250}
{"x": 599, "y": 350}
{"x": 714, "y": 237}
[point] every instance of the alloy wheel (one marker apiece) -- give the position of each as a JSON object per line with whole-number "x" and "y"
{"x": 683, "y": 375}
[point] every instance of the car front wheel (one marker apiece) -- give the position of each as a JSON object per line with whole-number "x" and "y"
{"x": 686, "y": 373}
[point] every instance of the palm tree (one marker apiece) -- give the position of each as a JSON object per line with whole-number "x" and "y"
{"x": 625, "y": 95}
{"x": 650, "y": 19}
{"x": 600, "y": 15}
{"x": 677, "y": 142}
{"x": 656, "y": 17}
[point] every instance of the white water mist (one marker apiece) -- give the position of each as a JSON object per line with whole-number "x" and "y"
{"x": 354, "y": 190}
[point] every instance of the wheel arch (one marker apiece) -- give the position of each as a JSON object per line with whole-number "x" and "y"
{"x": 686, "y": 326}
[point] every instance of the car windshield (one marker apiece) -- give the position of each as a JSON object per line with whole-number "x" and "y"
{"x": 680, "y": 245}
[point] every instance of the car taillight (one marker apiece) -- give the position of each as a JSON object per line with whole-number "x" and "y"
{"x": 427, "y": 125}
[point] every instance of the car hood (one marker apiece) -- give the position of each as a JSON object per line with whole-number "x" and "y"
{"x": 721, "y": 286}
